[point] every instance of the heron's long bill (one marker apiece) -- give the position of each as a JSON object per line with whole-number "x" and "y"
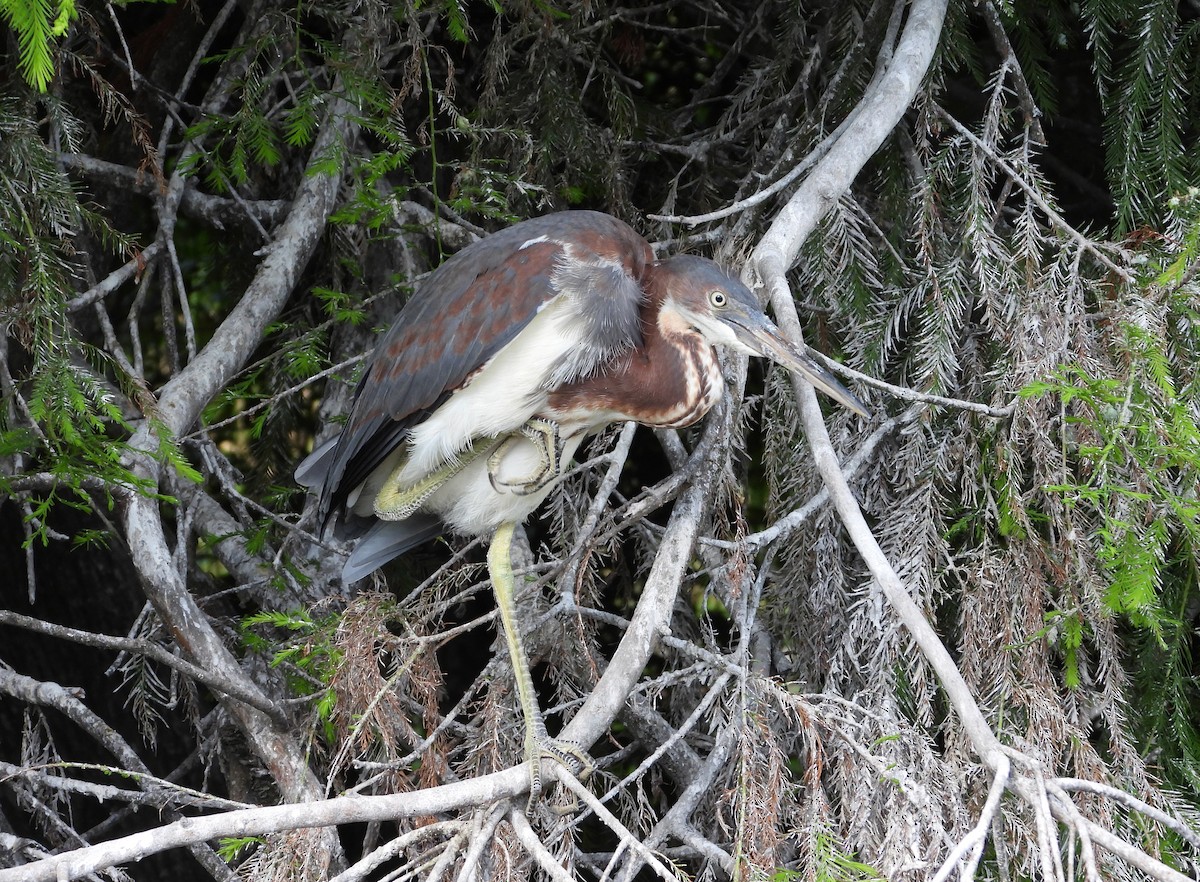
{"x": 761, "y": 335}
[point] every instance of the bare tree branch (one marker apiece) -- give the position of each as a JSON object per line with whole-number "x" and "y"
{"x": 53, "y": 695}
{"x": 1131, "y": 801}
{"x": 772, "y": 257}
{"x": 180, "y": 402}
{"x": 880, "y": 110}
{"x": 115, "y": 279}
{"x": 658, "y": 597}
{"x": 218, "y": 211}
{"x": 164, "y": 793}
{"x": 536, "y": 847}
{"x": 272, "y": 819}
{"x": 995, "y": 26}
{"x": 232, "y": 688}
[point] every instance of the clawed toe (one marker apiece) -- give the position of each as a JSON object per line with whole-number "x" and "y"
{"x": 567, "y": 754}
{"x": 571, "y": 756}
{"x": 543, "y": 434}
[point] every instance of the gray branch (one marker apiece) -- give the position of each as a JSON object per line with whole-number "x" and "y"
{"x": 69, "y": 704}
{"x": 653, "y": 612}
{"x": 215, "y": 210}
{"x": 273, "y": 819}
{"x": 180, "y": 402}
{"x": 884, "y": 107}
{"x": 877, "y": 115}
{"x": 159, "y": 654}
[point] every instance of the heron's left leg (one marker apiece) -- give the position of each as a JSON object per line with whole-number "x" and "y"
{"x": 397, "y": 501}
{"x": 538, "y": 744}
{"x": 543, "y": 435}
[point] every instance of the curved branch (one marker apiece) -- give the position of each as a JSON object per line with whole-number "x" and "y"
{"x": 1132, "y": 802}
{"x": 240, "y": 334}
{"x": 46, "y": 694}
{"x": 273, "y": 819}
{"x": 658, "y": 597}
{"x": 771, "y": 260}
{"x": 150, "y": 650}
{"x": 880, "y": 110}
{"x": 180, "y": 402}
{"x": 215, "y": 210}
{"x": 995, "y": 26}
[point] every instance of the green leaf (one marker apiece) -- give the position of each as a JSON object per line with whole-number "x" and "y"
{"x": 231, "y": 848}
{"x": 37, "y": 23}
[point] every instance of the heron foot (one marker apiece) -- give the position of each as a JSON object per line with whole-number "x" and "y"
{"x": 567, "y": 754}
{"x": 543, "y": 434}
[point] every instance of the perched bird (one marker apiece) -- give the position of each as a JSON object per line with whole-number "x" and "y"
{"x": 507, "y": 356}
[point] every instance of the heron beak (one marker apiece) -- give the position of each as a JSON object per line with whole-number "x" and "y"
{"x": 759, "y": 334}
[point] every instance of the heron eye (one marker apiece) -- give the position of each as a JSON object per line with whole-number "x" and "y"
{"x": 718, "y": 299}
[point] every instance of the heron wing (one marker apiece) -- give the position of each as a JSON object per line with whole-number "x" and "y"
{"x": 385, "y": 540}
{"x": 474, "y": 305}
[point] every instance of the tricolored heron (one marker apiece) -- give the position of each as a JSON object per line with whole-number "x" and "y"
{"x": 505, "y": 358}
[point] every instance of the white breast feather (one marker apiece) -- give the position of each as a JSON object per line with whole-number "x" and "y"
{"x": 503, "y": 396}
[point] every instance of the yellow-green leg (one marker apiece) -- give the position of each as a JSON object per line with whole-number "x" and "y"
{"x": 538, "y": 745}
{"x": 396, "y": 501}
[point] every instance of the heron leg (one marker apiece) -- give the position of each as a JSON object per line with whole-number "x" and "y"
{"x": 543, "y": 434}
{"x": 397, "y": 501}
{"x": 538, "y": 744}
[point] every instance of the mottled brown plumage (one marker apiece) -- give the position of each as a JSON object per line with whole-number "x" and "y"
{"x": 508, "y": 355}
{"x": 672, "y": 380}
{"x": 564, "y": 321}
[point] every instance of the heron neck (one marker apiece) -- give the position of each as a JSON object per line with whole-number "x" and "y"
{"x": 661, "y": 319}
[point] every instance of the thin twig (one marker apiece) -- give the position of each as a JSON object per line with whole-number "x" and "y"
{"x": 279, "y": 396}
{"x": 1031, "y": 192}
{"x": 974, "y": 840}
{"x": 149, "y": 649}
{"x": 679, "y": 732}
{"x": 115, "y": 279}
{"x": 995, "y": 26}
{"x": 1130, "y": 801}
{"x": 370, "y": 862}
{"x": 613, "y": 823}
{"x": 583, "y": 544}
{"x": 762, "y": 195}
{"x": 906, "y": 394}
{"x": 166, "y": 793}
{"x": 185, "y": 309}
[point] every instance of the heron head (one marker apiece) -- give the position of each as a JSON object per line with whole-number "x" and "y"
{"x": 725, "y": 313}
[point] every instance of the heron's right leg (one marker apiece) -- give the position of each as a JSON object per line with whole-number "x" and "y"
{"x": 543, "y": 435}
{"x": 538, "y": 744}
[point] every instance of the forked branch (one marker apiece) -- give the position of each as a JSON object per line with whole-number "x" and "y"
{"x": 776, "y": 253}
